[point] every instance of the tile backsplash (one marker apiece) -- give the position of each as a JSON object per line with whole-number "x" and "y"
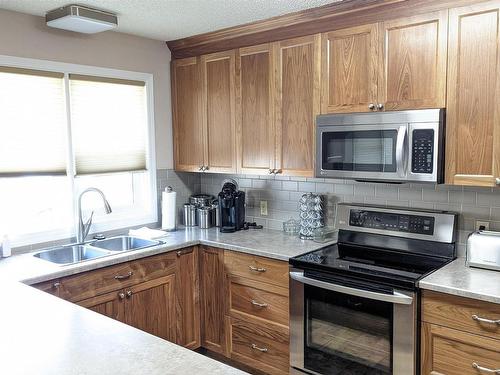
{"x": 283, "y": 193}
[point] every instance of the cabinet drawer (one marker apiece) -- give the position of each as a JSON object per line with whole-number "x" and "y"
{"x": 264, "y": 347}
{"x": 257, "y": 268}
{"x": 464, "y": 314}
{"x": 260, "y": 300}
{"x": 105, "y": 280}
{"x": 452, "y": 352}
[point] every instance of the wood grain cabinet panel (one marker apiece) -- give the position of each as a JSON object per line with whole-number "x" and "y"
{"x": 150, "y": 307}
{"x": 188, "y": 114}
{"x": 472, "y": 123}
{"x": 349, "y": 69}
{"x": 413, "y": 62}
{"x": 219, "y": 100}
{"x": 51, "y": 287}
{"x": 187, "y": 292}
{"x": 297, "y": 103}
{"x": 213, "y": 297}
{"x": 264, "y": 347}
{"x": 464, "y": 314}
{"x": 110, "y": 304}
{"x": 257, "y": 268}
{"x": 259, "y": 300}
{"x": 255, "y": 128}
{"x": 447, "y": 351}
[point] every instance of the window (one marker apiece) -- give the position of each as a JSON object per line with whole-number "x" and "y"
{"x": 64, "y": 128}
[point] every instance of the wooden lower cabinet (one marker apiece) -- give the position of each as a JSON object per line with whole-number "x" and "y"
{"x": 213, "y": 298}
{"x": 448, "y": 351}
{"x": 459, "y": 335}
{"x": 150, "y": 306}
{"x": 261, "y": 345}
{"x": 110, "y": 304}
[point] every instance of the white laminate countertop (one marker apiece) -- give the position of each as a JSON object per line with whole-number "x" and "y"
{"x": 268, "y": 243}
{"x": 458, "y": 279}
{"x": 44, "y": 335}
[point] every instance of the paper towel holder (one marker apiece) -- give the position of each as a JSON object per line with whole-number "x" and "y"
{"x": 170, "y": 227}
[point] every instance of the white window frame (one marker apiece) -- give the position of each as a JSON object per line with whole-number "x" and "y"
{"x": 66, "y": 69}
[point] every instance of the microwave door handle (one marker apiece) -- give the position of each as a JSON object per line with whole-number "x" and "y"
{"x": 397, "y": 298}
{"x": 401, "y": 150}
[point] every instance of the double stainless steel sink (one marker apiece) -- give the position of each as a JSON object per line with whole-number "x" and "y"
{"x": 70, "y": 254}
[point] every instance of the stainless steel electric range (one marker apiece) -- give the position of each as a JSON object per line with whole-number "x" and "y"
{"x": 354, "y": 305}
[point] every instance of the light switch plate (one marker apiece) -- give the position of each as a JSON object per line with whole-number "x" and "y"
{"x": 263, "y": 208}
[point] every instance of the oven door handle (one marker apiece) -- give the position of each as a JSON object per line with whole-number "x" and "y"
{"x": 401, "y": 151}
{"x": 396, "y": 297}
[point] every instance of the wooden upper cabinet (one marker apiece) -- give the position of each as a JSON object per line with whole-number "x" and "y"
{"x": 413, "y": 62}
{"x": 219, "y": 101}
{"x": 254, "y": 90}
{"x": 188, "y": 114}
{"x": 349, "y": 69}
{"x": 472, "y": 123}
{"x": 297, "y": 102}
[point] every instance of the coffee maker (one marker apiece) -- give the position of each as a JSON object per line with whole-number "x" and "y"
{"x": 231, "y": 207}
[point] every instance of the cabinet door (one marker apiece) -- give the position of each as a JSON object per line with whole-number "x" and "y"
{"x": 110, "y": 304}
{"x": 188, "y": 114}
{"x": 254, "y": 87}
{"x": 220, "y": 132}
{"x": 188, "y": 300}
{"x": 213, "y": 297}
{"x": 472, "y": 118}
{"x": 51, "y": 287}
{"x": 349, "y": 69}
{"x": 297, "y": 102}
{"x": 451, "y": 352}
{"x": 413, "y": 62}
{"x": 150, "y": 306}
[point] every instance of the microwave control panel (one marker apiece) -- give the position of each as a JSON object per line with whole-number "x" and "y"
{"x": 422, "y": 148}
{"x": 392, "y": 221}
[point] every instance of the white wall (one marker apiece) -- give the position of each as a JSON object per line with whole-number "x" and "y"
{"x": 27, "y": 36}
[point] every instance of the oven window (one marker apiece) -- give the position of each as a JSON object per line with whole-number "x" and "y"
{"x": 362, "y": 150}
{"x": 346, "y": 334}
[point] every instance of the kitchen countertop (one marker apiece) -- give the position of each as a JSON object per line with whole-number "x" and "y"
{"x": 44, "y": 335}
{"x": 268, "y": 243}
{"x": 458, "y": 279}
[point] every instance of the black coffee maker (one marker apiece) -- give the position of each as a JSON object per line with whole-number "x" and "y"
{"x": 231, "y": 208}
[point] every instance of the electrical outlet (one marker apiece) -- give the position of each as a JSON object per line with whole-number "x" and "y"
{"x": 485, "y": 224}
{"x": 263, "y": 208}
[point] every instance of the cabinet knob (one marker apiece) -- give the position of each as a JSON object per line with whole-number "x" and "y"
{"x": 201, "y": 168}
{"x": 271, "y": 171}
{"x": 56, "y": 285}
{"x": 380, "y": 106}
{"x": 371, "y": 106}
{"x": 129, "y": 293}
{"x": 277, "y": 171}
{"x": 121, "y": 295}
{"x": 497, "y": 181}
{"x": 205, "y": 168}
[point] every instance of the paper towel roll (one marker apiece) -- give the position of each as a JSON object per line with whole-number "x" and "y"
{"x": 168, "y": 209}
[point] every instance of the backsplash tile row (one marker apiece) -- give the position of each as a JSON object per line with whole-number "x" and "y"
{"x": 283, "y": 193}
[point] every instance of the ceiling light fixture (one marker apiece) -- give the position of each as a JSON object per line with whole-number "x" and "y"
{"x": 81, "y": 19}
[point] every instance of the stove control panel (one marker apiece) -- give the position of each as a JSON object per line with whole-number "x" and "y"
{"x": 392, "y": 221}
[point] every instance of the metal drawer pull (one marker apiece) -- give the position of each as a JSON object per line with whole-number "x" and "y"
{"x": 484, "y": 320}
{"x": 257, "y": 269}
{"x": 122, "y": 277}
{"x": 263, "y": 350}
{"x": 485, "y": 369}
{"x": 255, "y": 303}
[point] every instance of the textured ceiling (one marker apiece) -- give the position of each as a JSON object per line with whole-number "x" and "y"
{"x": 174, "y": 19}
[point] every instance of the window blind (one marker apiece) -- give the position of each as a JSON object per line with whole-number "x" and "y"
{"x": 33, "y": 133}
{"x": 109, "y": 124}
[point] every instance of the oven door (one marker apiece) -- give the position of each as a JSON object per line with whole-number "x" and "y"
{"x": 347, "y": 327}
{"x": 365, "y": 152}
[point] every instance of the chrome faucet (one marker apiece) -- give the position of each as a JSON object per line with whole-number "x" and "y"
{"x": 84, "y": 228}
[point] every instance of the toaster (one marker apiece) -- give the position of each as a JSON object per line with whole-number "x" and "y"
{"x": 483, "y": 250}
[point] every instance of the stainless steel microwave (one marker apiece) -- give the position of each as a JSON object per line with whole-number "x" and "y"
{"x": 399, "y": 146}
